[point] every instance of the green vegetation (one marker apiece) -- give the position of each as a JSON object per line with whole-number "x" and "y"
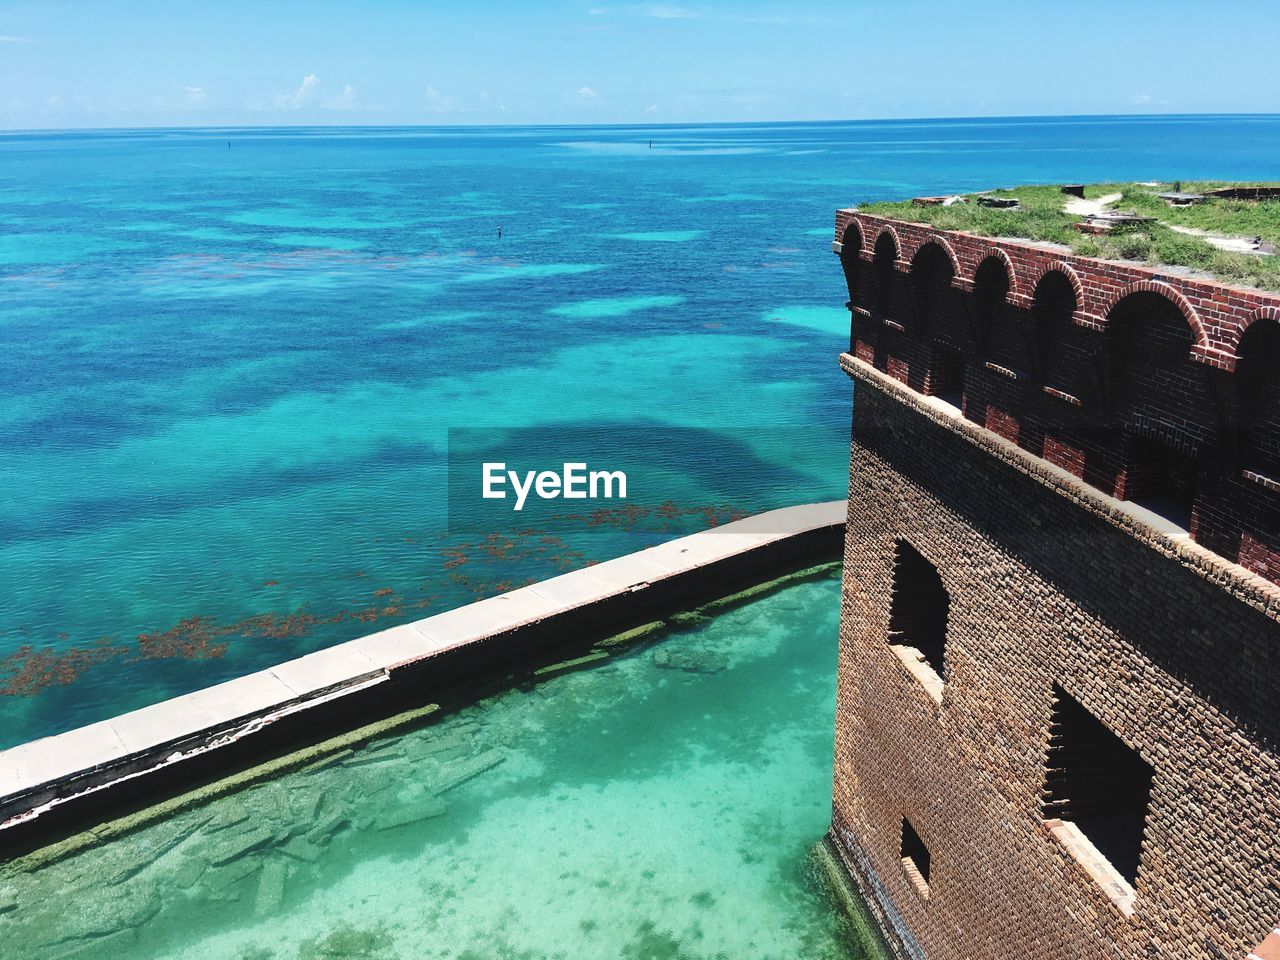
{"x": 1237, "y": 218}
{"x": 1040, "y": 217}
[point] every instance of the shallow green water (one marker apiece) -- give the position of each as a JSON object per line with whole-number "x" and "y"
{"x": 659, "y": 804}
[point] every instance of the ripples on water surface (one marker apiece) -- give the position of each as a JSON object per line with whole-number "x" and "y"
{"x": 657, "y": 806}
{"x": 231, "y": 357}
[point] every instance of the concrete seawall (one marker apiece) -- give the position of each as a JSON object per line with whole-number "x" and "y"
{"x": 59, "y": 782}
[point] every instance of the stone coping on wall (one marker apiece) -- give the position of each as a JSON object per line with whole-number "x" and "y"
{"x": 44, "y": 774}
{"x": 1142, "y": 524}
{"x": 1268, "y": 949}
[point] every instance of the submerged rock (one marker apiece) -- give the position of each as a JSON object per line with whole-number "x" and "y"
{"x": 270, "y": 888}
{"x": 192, "y": 869}
{"x": 222, "y": 882}
{"x": 459, "y": 772}
{"x": 567, "y": 665}
{"x": 117, "y": 944}
{"x": 690, "y": 661}
{"x": 231, "y": 813}
{"x": 332, "y": 824}
{"x": 301, "y": 848}
{"x": 448, "y": 746}
{"x": 236, "y": 847}
{"x": 404, "y": 814}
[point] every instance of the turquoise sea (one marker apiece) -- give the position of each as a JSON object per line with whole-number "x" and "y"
{"x": 231, "y": 358}
{"x": 659, "y": 805}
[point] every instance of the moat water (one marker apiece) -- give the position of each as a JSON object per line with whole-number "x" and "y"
{"x": 660, "y": 805}
{"x": 231, "y": 358}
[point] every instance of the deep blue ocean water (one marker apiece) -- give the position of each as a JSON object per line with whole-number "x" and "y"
{"x": 231, "y": 359}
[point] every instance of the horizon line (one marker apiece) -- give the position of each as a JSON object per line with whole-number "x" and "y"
{"x": 9, "y": 131}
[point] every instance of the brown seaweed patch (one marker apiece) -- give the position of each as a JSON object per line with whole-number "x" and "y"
{"x": 195, "y": 638}
{"x": 29, "y": 669}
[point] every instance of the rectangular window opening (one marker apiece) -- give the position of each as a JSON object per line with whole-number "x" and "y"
{"x": 1162, "y": 479}
{"x": 1098, "y": 783}
{"x": 915, "y": 857}
{"x": 947, "y": 380}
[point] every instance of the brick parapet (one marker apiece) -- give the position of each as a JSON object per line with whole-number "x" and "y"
{"x": 1104, "y": 371}
{"x": 1220, "y": 313}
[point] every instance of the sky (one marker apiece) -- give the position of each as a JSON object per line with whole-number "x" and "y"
{"x": 317, "y": 62}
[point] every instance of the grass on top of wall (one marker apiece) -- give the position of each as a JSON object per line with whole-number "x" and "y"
{"x": 1040, "y": 216}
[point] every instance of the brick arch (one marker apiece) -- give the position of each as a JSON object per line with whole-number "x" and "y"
{"x": 1173, "y": 295}
{"x": 1262, "y": 313}
{"x": 941, "y": 242}
{"x": 1015, "y": 289}
{"x": 897, "y": 242}
{"x": 1059, "y": 266}
{"x": 854, "y": 226}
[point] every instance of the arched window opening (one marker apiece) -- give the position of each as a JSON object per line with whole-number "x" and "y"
{"x": 1259, "y": 397}
{"x": 883, "y": 266}
{"x": 851, "y": 260}
{"x": 1054, "y": 304}
{"x": 1152, "y": 380}
{"x": 931, "y": 274}
{"x": 991, "y": 287}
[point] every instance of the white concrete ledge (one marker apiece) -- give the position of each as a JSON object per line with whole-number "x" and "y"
{"x": 45, "y": 774}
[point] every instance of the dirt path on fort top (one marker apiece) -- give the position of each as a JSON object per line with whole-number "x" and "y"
{"x": 1080, "y": 207}
{"x": 1092, "y": 208}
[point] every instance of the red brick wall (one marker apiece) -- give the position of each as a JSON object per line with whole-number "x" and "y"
{"x": 1076, "y": 367}
{"x": 1172, "y": 648}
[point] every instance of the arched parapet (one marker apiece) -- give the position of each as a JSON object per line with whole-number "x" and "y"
{"x": 1014, "y": 294}
{"x": 1079, "y": 316}
{"x": 892, "y": 234}
{"x": 1229, "y": 356}
{"x": 852, "y": 241}
{"x": 1201, "y": 350}
{"x": 939, "y": 241}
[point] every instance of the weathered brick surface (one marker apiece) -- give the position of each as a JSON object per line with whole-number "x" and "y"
{"x": 1085, "y": 363}
{"x": 1174, "y": 648}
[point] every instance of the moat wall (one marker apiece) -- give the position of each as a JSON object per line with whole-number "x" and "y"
{"x": 1053, "y": 589}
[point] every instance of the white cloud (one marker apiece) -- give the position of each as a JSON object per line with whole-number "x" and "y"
{"x": 348, "y": 99}
{"x": 304, "y": 96}
{"x": 193, "y": 98}
{"x": 438, "y": 102}
{"x": 585, "y": 95}
{"x": 6, "y": 38}
{"x": 664, "y": 12}
{"x": 651, "y": 108}
{"x": 659, "y": 11}
{"x": 53, "y": 102}
{"x": 1147, "y": 100}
